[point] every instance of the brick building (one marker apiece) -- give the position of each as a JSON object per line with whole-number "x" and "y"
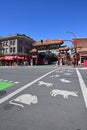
{"x": 15, "y": 48}
{"x": 19, "y": 48}
{"x": 81, "y": 48}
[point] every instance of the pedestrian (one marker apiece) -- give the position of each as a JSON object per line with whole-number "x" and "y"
{"x": 74, "y": 63}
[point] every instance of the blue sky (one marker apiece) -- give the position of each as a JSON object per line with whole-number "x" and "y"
{"x": 44, "y": 19}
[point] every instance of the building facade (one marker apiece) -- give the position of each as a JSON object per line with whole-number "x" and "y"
{"x": 81, "y": 49}
{"x": 15, "y": 48}
{"x": 43, "y": 50}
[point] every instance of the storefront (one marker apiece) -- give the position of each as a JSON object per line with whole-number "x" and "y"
{"x": 13, "y": 60}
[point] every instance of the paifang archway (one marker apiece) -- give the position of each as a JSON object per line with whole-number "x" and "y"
{"x": 74, "y": 43}
{"x": 46, "y": 45}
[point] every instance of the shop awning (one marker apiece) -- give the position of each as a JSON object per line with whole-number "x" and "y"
{"x": 19, "y": 57}
{"x": 8, "y": 58}
{"x": 13, "y": 57}
{"x": 2, "y": 58}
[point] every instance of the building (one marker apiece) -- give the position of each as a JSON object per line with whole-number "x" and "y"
{"x": 15, "y": 48}
{"x": 80, "y": 47}
{"x": 63, "y": 58}
{"x": 41, "y": 52}
{"x": 19, "y": 49}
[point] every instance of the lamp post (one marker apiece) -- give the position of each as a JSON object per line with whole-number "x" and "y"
{"x": 59, "y": 57}
{"x": 66, "y": 58}
{"x": 75, "y": 47}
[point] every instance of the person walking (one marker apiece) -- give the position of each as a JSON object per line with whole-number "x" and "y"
{"x": 74, "y": 63}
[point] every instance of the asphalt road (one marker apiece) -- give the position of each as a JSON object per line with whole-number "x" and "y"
{"x": 44, "y": 98}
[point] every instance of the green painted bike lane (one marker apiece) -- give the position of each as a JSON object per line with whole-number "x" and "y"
{"x": 4, "y": 85}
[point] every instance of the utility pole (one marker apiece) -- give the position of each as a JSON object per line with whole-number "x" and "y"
{"x": 74, "y": 42}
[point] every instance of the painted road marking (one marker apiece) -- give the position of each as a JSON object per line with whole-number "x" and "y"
{"x": 64, "y": 80}
{"x": 64, "y": 93}
{"x": 44, "y": 83}
{"x": 83, "y": 68}
{"x": 70, "y": 70}
{"x": 59, "y": 71}
{"x": 67, "y": 74}
{"x": 25, "y": 99}
{"x": 4, "y": 85}
{"x": 5, "y": 80}
{"x": 9, "y": 81}
{"x": 83, "y": 87}
{"x": 16, "y": 82}
{"x": 24, "y": 87}
{"x": 54, "y": 76}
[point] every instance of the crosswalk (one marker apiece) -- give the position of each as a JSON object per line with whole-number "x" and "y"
{"x": 61, "y": 75}
{"x": 5, "y": 80}
{"x": 46, "y": 81}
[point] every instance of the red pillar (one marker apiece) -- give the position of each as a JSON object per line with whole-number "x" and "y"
{"x": 76, "y": 59}
{"x": 66, "y": 58}
{"x": 59, "y": 56}
{"x": 76, "y": 55}
{"x": 36, "y": 59}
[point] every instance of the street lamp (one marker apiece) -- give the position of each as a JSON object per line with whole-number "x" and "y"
{"x": 75, "y": 47}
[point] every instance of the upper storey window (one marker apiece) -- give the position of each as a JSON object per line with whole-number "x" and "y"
{"x": 12, "y": 42}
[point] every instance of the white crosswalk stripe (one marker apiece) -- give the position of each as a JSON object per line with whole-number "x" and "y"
{"x": 4, "y": 80}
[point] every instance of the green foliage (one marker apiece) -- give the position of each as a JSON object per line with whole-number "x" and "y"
{"x": 54, "y": 57}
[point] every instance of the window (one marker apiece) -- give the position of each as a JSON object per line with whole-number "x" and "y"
{"x": 3, "y": 50}
{"x": 11, "y": 50}
{"x": 7, "y": 50}
{"x": 14, "y": 49}
{"x": 20, "y": 42}
{"x": 6, "y": 43}
{"x": 3, "y": 43}
{"x": 20, "y": 49}
{"x": 11, "y": 42}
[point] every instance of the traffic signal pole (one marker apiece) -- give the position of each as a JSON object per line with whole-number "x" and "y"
{"x": 74, "y": 42}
